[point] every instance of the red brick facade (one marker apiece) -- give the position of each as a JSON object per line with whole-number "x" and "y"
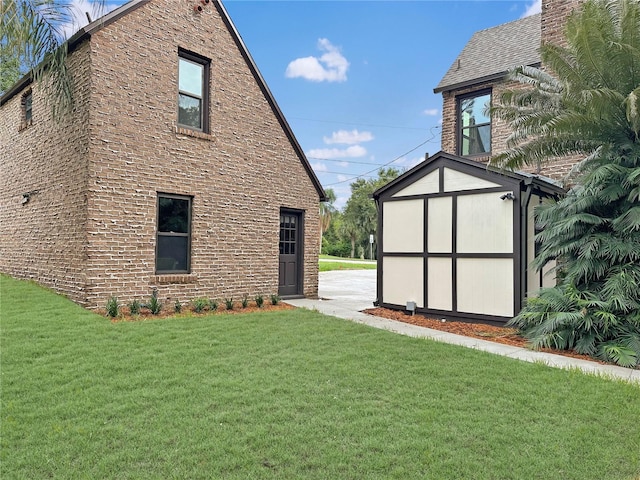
{"x": 553, "y": 18}
{"x": 89, "y": 227}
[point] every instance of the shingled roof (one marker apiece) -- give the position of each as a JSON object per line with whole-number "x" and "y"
{"x": 491, "y": 53}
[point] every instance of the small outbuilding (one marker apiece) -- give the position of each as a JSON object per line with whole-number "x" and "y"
{"x": 455, "y": 240}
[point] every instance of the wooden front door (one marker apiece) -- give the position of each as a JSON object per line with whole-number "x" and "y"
{"x": 290, "y": 279}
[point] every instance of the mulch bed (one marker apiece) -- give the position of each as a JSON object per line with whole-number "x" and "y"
{"x": 492, "y": 333}
{"x": 187, "y": 312}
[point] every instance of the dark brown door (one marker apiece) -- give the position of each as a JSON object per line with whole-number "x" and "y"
{"x": 290, "y": 250}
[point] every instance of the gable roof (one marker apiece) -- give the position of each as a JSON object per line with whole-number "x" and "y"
{"x": 86, "y": 32}
{"x": 542, "y": 184}
{"x": 491, "y": 53}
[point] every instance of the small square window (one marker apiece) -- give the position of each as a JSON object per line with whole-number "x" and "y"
{"x": 173, "y": 250}
{"x": 27, "y": 109}
{"x": 193, "y": 91}
{"x": 474, "y": 124}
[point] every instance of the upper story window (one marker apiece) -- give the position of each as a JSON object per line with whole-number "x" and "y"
{"x": 173, "y": 248}
{"x": 193, "y": 91}
{"x": 27, "y": 109}
{"x": 474, "y": 124}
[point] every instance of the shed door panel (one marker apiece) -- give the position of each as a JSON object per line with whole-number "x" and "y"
{"x": 440, "y": 284}
{"x": 440, "y": 225}
{"x": 403, "y": 226}
{"x": 485, "y": 286}
{"x": 403, "y": 280}
{"x": 484, "y": 223}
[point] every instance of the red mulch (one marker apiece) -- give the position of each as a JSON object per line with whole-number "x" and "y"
{"x": 492, "y": 333}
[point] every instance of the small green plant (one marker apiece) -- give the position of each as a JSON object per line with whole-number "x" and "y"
{"x": 245, "y": 301}
{"x": 112, "y": 307}
{"x": 259, "y": 301}
{"x": 134, "y": 307}
{"x": 155, "y": 306}
{"x": 275, "y": 299}
{"x": 199, "y": 304}
{"x": 177, "y": 307}
{"x": 213, "y": 305}
{"x": 229, "y": 303}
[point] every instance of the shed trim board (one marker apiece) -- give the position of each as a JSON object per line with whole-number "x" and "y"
{"x": 474, "y": 249}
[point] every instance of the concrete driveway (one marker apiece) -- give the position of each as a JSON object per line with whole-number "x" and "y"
{"x": 356, "y": 288}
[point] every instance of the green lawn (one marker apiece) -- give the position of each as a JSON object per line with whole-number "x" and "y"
{"x": 329, "y": 263}
{"x": 288, "y": 395}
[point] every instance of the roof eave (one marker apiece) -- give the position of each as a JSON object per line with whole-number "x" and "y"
{"x": 477, "y": 81}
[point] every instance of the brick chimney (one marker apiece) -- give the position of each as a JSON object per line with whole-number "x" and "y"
{"x": 554, "y": 17}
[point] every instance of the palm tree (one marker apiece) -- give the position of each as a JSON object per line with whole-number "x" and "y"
{"x": 326, "y": 211}
{"x": 32, "y": 33}
{"x": 586, "y": 103}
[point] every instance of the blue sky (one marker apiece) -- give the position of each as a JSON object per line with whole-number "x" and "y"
{"x": 355, "y": 79}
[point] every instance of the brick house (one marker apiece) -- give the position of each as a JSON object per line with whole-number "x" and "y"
{"x": 176, "y": 170}
{"x": 478, "y": 75}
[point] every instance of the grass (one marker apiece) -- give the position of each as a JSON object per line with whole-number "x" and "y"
{"x": 329, "y": 263}
{"x": 281, "y": 395}
{"x": 328, "y": 266}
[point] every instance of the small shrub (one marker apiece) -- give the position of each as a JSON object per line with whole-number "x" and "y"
{"x": 155, "y": 306}
{"x": 229, "y": 303}
{"x": 275, "y": 299}
{"x": 199, "y": 304}
{"x": 134, "y": 307}
{"x": 259, "y": 301}
{"x": 177, "y": 307}
{"x": 112, "y": 307}
{"x": 245, "y": 301}
{"x": 213, "y": 305}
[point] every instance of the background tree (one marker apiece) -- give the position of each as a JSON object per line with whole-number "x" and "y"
{"x": 32, "y": 34}
{"x": 589, "y": 106}
{"x": 9, "y": 70}
{"x": 360, "y": 214}
{"x": 327, "y": 210}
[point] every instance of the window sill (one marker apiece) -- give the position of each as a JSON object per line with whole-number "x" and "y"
{"x": 174, "y": 278}
{"x": 187, "y": 132}
{"x": 24, "y": 125}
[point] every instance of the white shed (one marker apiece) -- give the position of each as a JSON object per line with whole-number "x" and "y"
{"x": 456, "y": 239}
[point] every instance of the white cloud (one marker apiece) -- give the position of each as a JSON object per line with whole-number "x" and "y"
{"x": 349, "y": 138}
{"x": 533, "y": 8}
{"x": 343, "y": 178}
{"x": 353, "y": 151}
{"x": 343, "y": 164}
{"x": 319, "y": 167}
{"x": 330, "y": 67}
{"x": 432, "y": 112}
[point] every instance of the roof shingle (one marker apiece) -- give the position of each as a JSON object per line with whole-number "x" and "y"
{"x": 492, "y": 52}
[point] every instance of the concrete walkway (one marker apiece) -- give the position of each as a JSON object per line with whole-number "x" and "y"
{"x": 344, "y": 293}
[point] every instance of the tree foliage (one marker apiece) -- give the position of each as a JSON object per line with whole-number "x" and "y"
{"x": 360, "y": 214}
{"x": 588, "y": 106}
{"x": 32, "y": 35}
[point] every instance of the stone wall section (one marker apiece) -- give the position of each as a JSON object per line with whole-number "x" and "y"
{"x": 44, "y": 238}
{"x": 239, "y": 175}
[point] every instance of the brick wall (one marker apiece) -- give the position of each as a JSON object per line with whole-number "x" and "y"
{"x": 239, "y": 175}
{"x": 45, "y": 238}
{"x": 553, "y": 19}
